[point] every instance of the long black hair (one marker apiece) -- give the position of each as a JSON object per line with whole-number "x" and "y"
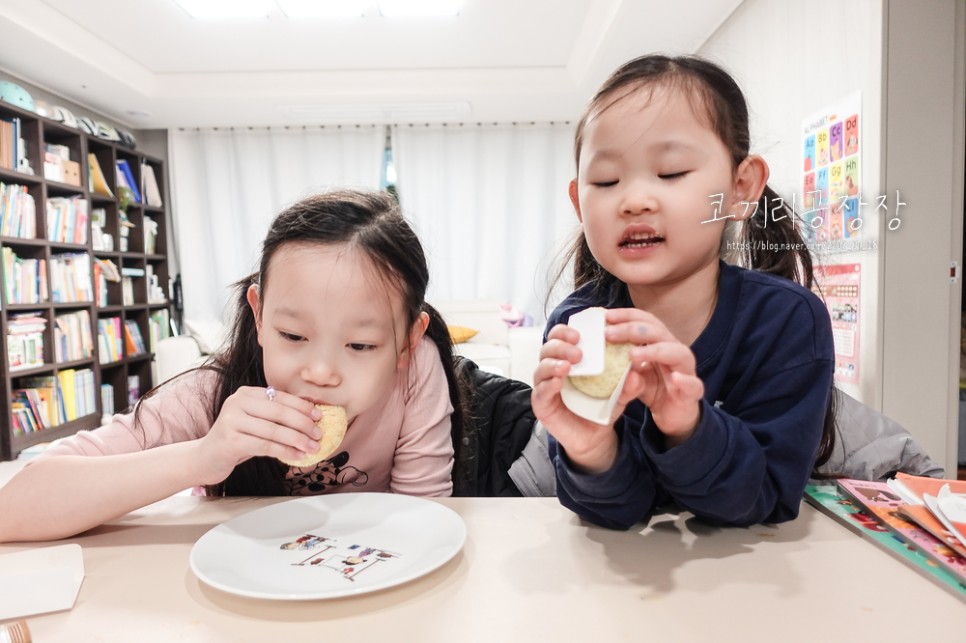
{"x": 368, "y": 221}
{"x": 716, "y": 95}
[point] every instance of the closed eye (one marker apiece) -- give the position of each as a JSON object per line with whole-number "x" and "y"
{"x": 673, "y": 175}
{"x": 291, "y": 337}
{"x": 603, "y": 184}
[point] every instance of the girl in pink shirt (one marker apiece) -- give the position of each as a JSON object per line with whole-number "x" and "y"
{"x": 336, "y": 315}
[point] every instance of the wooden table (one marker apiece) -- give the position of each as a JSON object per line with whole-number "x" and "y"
{"x": 530, "y": 571}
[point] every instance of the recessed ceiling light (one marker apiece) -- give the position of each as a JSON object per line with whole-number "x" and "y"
{"x": 138, "y": 113}
{"x": 423, "y": 8}
{"x": 323, "y": 8}
{"x": 226, "y": 9}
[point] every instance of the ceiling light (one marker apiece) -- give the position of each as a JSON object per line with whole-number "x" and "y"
{"x": 323, "y": 8}
{"x": 226, "y": 9}
{"x": 422, "y": 8}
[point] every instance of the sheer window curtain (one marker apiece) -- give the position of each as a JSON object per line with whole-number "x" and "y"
{"x": 227, "y": 185}
{"x": 490, "y": 205}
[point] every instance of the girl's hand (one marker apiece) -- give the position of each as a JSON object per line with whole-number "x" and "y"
{"x": 590, "y": 446}
{"x": 250, "y": 424}
{"x": 662, "y": 373}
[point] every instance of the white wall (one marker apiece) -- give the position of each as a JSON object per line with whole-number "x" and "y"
{"x": 794, "y": 58}
{"x": 789, "y": 71}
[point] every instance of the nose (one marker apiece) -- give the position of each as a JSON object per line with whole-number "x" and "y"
{"x": 638, "y": 198}
{"x": 321, "y": 372}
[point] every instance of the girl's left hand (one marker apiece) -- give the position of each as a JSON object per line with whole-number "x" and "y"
{"x": 663, "y": 374}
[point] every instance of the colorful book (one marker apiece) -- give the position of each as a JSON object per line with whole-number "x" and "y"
{"x": 830, "y": 500}
{"x": 97, "y": 182}
{"x": 912, "y": 488}
{"x": 126, "y": 176}
{"x": 879, "y": 500}
{"x": 924, "y": 507}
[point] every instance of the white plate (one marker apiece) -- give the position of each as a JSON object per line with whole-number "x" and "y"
{"x": 366, "y": 542}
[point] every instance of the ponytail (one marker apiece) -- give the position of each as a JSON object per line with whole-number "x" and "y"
{"x": 240, "y": 364}
{"x": 773, "y": 243}
{"x": 464, "y": 470}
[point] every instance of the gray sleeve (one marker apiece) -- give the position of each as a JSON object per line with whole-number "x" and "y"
{"x": 532, "y": 472}
{"x": 870, "y": 446}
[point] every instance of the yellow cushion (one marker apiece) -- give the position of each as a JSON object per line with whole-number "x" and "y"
{"x": 460, "y": 334}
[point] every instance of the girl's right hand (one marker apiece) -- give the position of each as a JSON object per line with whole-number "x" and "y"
{"x": 250, "y": 424}
{"x": 591, "y": 447}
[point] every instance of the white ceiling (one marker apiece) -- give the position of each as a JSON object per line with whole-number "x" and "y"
{"x": 147, "y": 64}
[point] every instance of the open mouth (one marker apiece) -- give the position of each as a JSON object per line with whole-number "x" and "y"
{"x": 641, "y": 240}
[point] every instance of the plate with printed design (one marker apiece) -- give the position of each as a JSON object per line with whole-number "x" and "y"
{"x": 328, "y": 546}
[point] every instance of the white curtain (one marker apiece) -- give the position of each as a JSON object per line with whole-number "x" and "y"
{"x": 490, "y": 205}
{"x": 228, "y": 184}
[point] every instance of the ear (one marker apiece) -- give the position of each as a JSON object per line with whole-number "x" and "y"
{"x": 750, "y": 180}
{"x": 574, "y": 198}
{"x": 415, "y": 334}
{"x": 256, "y": 305}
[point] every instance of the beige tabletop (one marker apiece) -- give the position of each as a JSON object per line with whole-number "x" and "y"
{"x": 529, "y": 571}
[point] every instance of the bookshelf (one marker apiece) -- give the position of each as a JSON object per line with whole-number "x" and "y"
{"x": 84, "y": 276}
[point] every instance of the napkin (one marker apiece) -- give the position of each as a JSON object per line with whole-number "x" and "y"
{"x": 40, "y": 580}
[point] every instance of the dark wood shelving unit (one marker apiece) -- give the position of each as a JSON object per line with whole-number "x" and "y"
{"x": 36, "y": 133}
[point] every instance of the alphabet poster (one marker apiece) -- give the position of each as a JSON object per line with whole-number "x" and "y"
{"x": 831, "y": 143}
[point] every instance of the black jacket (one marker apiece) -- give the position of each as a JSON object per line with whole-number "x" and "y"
{"x": 491, "y": 431}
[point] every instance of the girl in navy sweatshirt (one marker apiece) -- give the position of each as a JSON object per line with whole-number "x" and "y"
{"x": 726, "y": 409}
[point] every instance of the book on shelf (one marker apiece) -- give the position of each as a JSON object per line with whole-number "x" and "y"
{"x": 67, "y": 220}
{"x": 13, "y": 152}
{"x": 110, "y": 341}
{"x": 48, "y": 390}
{"x": 105, "y": 271}
{"x": 133, "y": 341}
{"x": 72, "y": 337}
{"x": 18, "y": 212}
{"x": 97, "y": 183}
{"x": 159, "y": 327}
{"x": 100, "y": 240}
{"x": 150, "y": 235}
{"x": 77, "y": 392}
{"x": 830, "y": 499}
{"x": 124, "y": 231}
{"x": 25, "y": 340}
{"x": 107, "y": 400}
{"x": 70, "y": 278}
{"x": 24, "y": 280}
{"x": 152, "y": 195}
{"x": 125, "y": 177}
{"x": 133, "y": 390}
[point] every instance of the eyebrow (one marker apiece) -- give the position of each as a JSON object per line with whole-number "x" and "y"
{"x": 365, "y": 322}
{"x": 607, "y": 154}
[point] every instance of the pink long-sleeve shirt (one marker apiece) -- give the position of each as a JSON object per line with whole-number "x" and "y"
{"x": 400, "y": 445}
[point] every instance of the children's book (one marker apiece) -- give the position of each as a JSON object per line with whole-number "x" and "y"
{"x": 947, "y": 519}
{"x": 922, "y": 516}
{"x": 912, "y": 488}
{"x": 830, "y": 500}
{"x": 878, "y": 499}
{"x": 950, "y": 508}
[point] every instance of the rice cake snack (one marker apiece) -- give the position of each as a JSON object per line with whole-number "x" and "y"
{"x": 617, "y": 357}
{"x": 333, "y": 424}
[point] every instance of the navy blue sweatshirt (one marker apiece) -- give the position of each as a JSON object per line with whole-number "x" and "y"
{"x": 766, "y": 359}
